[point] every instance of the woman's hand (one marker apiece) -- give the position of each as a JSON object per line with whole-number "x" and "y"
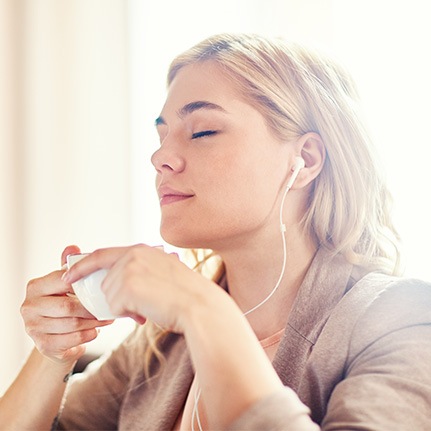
{"x": 145, "y": 282}
{"x": 58, "y": 324}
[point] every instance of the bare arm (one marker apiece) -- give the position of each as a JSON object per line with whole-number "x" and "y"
{"x": 33, "y": 400}
{"x": 59, "y": 326}
{"x": 234, "y": 373}
{"x": 219, "y": 338}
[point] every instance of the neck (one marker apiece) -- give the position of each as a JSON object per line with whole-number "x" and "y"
{"x": 253, "y": 271}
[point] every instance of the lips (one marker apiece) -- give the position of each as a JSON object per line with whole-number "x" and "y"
{"x": 169, "y": 195}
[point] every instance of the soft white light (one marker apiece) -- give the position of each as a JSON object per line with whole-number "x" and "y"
{"x": 383, "y": 44}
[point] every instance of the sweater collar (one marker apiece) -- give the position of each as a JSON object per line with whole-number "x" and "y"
{"x": 325, "y": 283}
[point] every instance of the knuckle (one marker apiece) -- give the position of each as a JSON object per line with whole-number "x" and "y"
{"x": 39, "y": 339}
{"x": 33, "y": 284}
{"x": 27, "y": 309}
{"x": 24, "y": 309}
{"x": 66, "y": 306}
{"x": 131, "y": 279}
{"x": 75, "y": 323}
{"x": 32, "y": 332}
{"x": 137, "y": 256}
{"x": 34, "y": 329}
{"x": 79, "y": 338}
{"x": 98, "y": 254}
{"x": 135, "y": 252}
{"x": 42, "y": 344}
{"x": 139, "y": 246}
{"x": 85, "y": 336}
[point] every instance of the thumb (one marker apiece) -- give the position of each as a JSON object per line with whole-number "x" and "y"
{"x": 70, "y": 249}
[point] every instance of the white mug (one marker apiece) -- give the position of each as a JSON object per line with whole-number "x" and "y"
{"x": 89, "y": 292}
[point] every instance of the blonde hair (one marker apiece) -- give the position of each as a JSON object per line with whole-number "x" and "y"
{"x": 298, "y": 90}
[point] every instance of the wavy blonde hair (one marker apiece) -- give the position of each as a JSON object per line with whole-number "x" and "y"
{"x": 298, "y": 90}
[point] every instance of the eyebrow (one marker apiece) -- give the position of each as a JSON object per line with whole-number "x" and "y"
{"x": 190, "y": 108}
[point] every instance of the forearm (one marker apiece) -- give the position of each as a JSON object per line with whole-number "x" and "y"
{"x": 33, "y": 400}
{"x": 233, "y": 371}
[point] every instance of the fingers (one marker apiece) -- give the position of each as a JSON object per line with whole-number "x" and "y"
{"x": 123, "y": 286}
{"x": 62, "y": 326}
{"x": 55, "y": 319}
{"x": 54, "y": 306}
{"x": 140, "y": 320}
{"x": 61, "y": 346}
{"x": 102, "y": 258}
{"x": 70, "y": 249}
{"x": 59, "y": 338}
{"x": 50, "y": 284}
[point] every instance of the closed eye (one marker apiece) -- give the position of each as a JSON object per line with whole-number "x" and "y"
{"x": 203, "y": 133}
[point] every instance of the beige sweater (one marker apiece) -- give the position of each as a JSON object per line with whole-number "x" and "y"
{"x": 357, "y": 354}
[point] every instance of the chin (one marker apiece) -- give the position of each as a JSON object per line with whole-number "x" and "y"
{"x": 184, "y": 239}
{"x": 177, "y": 240}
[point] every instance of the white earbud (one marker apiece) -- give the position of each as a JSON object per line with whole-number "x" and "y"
{"x": 299, "y": 164}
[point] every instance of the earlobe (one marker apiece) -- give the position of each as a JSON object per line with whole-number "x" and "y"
{"x": 312, "y": 149}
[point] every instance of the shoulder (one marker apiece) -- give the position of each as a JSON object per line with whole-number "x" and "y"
{"x": 377, "y": 293}
{"x": 377, "y": 341}
{"x": 373, "y": 308}
{"x": 369, "y": 366}
{"x": 405, "y": 295}
{"x": 380, "y": 306}
{"x": 387, "y": 299}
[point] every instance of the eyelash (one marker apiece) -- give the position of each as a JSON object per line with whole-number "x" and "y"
{"x": 203, "y": 133}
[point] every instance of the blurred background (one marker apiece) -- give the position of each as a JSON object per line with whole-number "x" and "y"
{"x": 81, "y": 82}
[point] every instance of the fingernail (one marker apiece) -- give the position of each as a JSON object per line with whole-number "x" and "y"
{"x": 66, "y": 276}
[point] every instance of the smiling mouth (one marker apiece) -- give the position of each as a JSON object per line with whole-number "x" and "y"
{"x": 172, "y": 198}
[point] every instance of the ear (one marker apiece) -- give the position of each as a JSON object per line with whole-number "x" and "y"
{"x": 312, "y": 149}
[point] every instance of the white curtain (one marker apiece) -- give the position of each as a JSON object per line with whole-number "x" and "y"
{"x": 65, "y": 148}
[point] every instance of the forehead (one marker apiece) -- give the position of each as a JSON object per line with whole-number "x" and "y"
{"x": 201, "y": 81}
{"x": 206, "y": 88}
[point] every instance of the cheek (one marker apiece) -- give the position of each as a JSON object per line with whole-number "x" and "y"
{"x": 225, "y": 210}
{"x": 250, "y": 183}
{"x": 240, "y": 200}
{"x": 234, "y": 196}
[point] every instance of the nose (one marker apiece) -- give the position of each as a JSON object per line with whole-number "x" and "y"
{"x": 168, "y": 159}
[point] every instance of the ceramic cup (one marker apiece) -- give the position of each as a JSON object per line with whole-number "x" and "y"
{"x": 89, "y": 292}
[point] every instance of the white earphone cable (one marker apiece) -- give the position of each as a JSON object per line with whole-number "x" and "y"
{"x": 283, "y": 267}
{"x": 195, "y": 413}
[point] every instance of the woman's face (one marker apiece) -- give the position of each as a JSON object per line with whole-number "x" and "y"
{"x": 220, "y": 171}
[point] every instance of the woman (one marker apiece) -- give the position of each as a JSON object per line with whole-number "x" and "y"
{"x": 263, "y": 160}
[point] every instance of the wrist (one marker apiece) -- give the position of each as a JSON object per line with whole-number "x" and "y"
{"x": 206, "y": 309}
{"x": 219, "y": 337}
{"x": 59, "y": 368}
